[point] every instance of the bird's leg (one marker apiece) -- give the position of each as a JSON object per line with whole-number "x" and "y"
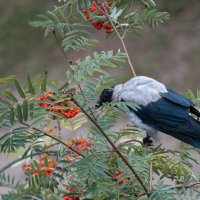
{"x": 147, "y": 141}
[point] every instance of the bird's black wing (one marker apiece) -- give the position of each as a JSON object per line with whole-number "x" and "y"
{"x": 180, "y": 100}
{"x": 170, "y": 114}
{"x": 176, "y": 98}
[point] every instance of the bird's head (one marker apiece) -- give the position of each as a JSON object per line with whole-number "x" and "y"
{"x": 106, "y": 96}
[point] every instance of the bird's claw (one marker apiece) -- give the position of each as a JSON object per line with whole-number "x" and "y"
{"x": 147, "y": 142}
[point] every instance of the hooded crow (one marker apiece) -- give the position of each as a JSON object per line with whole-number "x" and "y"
{"x": 160, "y": 109}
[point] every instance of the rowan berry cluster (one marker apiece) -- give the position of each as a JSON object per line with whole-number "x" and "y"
{"x": 65, "y": 197}
{"x": 48, "y": 100}
{"x": 73, "y": 190}
{"x": 98, "y": 24}
{"x": 80, "y": 145}
{"x": 44, "y": 168}
{"x": 118, "y": 174}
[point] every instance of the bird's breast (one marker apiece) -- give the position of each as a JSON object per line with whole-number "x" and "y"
{"x": 138, "y": 122}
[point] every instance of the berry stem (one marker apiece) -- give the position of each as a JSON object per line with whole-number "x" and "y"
{"x": 55, "y": 138}
{"x": 119, "y": 36}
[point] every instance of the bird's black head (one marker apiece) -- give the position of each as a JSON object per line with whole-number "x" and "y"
{"x": 106, "y": 96}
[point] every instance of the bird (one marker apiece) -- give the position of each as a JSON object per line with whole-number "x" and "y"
{"x": 160, "y": 109}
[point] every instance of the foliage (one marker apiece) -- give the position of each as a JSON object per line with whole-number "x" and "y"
{"x": 87, "y": 168}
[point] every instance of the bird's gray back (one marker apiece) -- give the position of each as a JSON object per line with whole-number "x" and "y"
{"x": 141, "y": 90}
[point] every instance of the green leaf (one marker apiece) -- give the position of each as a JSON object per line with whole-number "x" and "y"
{"x": 5, "y": 103}
{"x": 19, "y": 113}
{"x": 12, "y": 116}
{"x": 14, "y": 140}
{"x": 25, "y": 110}
{"x": 6, "y": 80}
{"x": 70, "y": 75}
{"x": 30, "y": 85}
{"x": 19, "y": 89}
{"x": 10, "y": 96}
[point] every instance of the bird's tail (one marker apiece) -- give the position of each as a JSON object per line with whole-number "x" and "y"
{"x": 189, "y": 132}
{"x": 194, "y": 111}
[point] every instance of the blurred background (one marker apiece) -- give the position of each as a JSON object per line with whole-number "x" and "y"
{"x": 170, "y": 53}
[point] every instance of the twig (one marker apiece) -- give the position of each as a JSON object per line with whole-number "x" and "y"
{"x": 150, "y": 175}
{"x": 51, "y": 145}
{"x": 126, "y": 30}
{"x": 187, "y": 186}
{"x": 55, "y": 138}
{"x": 23, "y": 158}
{"x": 70, "y": 63}
{"x": 113, "y": 146}
{"x": 61, "y": 49}
{"x": 119, "y": 36}
{"x": 85, "y": 101}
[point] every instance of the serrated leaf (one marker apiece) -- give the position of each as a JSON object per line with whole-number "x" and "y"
{"x": 25, "y": 110}
{"x": 10, "y": 96}
{"x": 30, "y": 85}
{"x": 19, "y": 89}
{"x": 12, "y": 116}
{"x": 19, "y": 113}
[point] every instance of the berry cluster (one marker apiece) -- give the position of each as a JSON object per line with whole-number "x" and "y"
{"x": 101, "y": 23}
{"x": 48, "y": 101}
{"x": 44, "y": 169}
{"x": 65, "y": 197}
{"x": 80, "y": 145}
{"x": 118, "y": 175}
{"x": 73, "y": 190}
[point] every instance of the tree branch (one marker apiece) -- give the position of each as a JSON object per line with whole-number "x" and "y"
{"x": 70, "y": 63}
{"x": 85, "y": 102}
{"x": 23, "y": 158}
{"x": 61, "y": 49}
{"x": 118, "y": 35}
{"x": 55, "y": 138}
{"x": 187, "y": 186}
{"x": 113, "y": 146}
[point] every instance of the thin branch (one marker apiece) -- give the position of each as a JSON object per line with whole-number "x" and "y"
{"x": 61, "y": 49}
{"x": 187, "y": 186}
{"x": 113, "y": 146}
{"x": 23, "y": 158}
{"x": 52, "y": 145}
{"x": 119, "y": 36}
{"x": 55, "y": 138}
{"x": 70, "y": 63}
{"x": 79, "y": 86}
{"x": 126, "y": 30}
